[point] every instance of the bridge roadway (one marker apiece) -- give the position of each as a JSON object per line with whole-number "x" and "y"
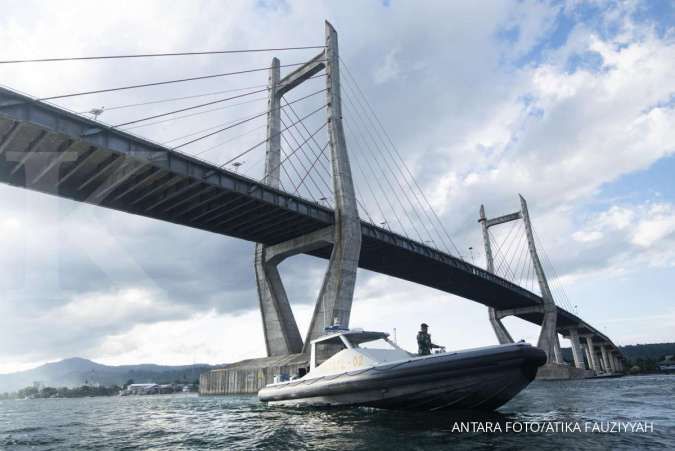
{"x": 48, "y": 149}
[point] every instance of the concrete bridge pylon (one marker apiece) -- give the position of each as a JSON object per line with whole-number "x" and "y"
{"x": 591, "y": 354}
{"x": 577, "y": 352}
{"x": 548, "y": 337}
{"x": 337, "y": 290}
{"x": 502, "y": 334}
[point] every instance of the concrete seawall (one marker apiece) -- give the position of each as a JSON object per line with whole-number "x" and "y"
{"x": 249, "y": 376}
{"x": 557, "y": 371}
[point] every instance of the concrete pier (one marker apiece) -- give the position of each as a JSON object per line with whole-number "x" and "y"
{"x": 249, "y": 376}
{"x": 608, "y": 357}
{"x": 577, "y": 353}
{"x": 557, "y": 371}
{"x": 593, "y": 361}
{"x": 601, "y": 362}
{"x": 607, "y": 364}
{"x": 587, "y": 355}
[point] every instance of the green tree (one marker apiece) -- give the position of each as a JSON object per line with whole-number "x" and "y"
{"x": 47, "y": 392}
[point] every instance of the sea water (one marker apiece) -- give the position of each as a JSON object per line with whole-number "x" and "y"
{"x": 544, "y": 416}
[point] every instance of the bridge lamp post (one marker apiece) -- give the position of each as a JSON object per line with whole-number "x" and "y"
{"x": 473, "y": 262}
{"x": 236, "y": 165}
{"x": 96, "y": 112}
{"x": 384, "y": 225}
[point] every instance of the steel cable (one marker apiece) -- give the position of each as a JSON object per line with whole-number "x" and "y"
{"x": 160, "y": 83}
{"x": 393, "y": 146}
{"x": 154, "y": 55}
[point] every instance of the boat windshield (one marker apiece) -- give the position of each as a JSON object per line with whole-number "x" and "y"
{"x": 380, "y": 343}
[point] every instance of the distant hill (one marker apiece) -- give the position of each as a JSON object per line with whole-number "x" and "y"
{"x": 653, "y": 351}
{"x": 77, "y": 371}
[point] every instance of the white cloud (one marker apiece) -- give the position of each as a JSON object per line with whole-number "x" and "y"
{"x": 625, "y": 240}
{"x": 103, "y": 309}
{"x": 533, "y": 21}
{"x": 557, "y": 136}
{"x": 388, "y": 70}
{"x": 586, "y": 236}
{"x": 658, "y": 224}
{"x": 206, "y": 337}
{"x": 616, "y": 218}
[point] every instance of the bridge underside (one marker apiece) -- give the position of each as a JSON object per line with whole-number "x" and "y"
{"x": 47, "y": 149}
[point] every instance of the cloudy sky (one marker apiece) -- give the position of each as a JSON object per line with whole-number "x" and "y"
{"x": 570, "y": 103}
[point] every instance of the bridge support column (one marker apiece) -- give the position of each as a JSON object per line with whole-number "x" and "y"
{"x": 601, "y": 362}
{"x": 282, "y": 336}
{"x": 588, "y": 356}
{"x": 610, "y": 359}
{"x": 548, "y": 338}
{"x": 335, "y": 298}
{"x": 556, "y": 349}
{"x": 337, "y": 291}
{"x": 605, "y": 358}
{"x": 592, "y": 359}
{"x": 502, "y": 334}
{"x": 576, "y": 348}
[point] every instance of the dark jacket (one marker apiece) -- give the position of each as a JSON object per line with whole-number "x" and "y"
{"x": 424, "y": 344}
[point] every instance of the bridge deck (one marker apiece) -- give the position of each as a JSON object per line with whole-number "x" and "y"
{"x": 48, "y": 149}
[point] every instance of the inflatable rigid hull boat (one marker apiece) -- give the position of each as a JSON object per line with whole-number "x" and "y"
{"x": 481, "y": 378}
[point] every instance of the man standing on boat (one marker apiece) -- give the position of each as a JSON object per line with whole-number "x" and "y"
{"x": 424, "y": 343}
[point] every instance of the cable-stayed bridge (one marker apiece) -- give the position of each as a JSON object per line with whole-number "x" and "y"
{"x": 305, "y": 198}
